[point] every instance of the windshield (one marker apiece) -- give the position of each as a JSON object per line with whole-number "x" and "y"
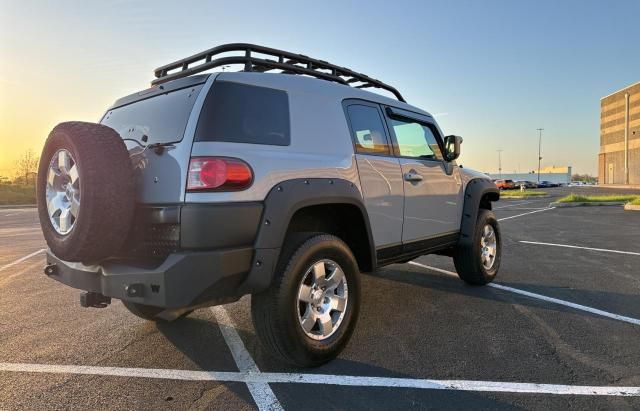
{"x": 162, "y": 119}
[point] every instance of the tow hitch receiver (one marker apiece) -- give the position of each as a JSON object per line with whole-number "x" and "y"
{"x": 95, "y": 300}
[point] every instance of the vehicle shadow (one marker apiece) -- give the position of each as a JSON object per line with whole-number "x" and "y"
{"x": 207, "y": 350}
{"x": 424, "y": 278}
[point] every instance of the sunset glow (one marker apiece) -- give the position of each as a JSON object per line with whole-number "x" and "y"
{"x": 497, "y": 70}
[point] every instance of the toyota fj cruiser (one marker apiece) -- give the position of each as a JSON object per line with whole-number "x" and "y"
{"x": 283, "y": 185}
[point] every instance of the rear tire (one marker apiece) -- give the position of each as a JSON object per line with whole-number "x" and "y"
{"x": 309, "y": 313}
{"x": 476, "y": 264}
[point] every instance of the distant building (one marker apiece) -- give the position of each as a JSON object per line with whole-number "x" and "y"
{"x": 560, "y": 175}
{"x": 619, "y": 158}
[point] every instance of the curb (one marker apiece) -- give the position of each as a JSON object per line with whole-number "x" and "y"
{"x": 4, "y": 206}
{"x": 588, "y": 204}
{"x": 631, "y": 207}
{"x": 524, "y": 197}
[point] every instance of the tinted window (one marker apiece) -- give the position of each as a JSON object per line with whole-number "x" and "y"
{"x": 239, "y": 113}
{"x": 415, "y": 140}
{"x": 162, "y": 118}
{"x": 368, "y": 129}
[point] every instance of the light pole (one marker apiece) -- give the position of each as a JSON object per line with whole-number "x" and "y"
{"x": 539, "y": 150}
{"x": 500, "y": 163}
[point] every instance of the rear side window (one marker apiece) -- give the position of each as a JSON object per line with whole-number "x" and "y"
{"x": 368, "y": 129}
{"x": 239, "y": 113}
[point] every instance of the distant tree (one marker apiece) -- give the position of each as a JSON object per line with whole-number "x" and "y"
{"x": 585, "y": 178}
{"x": 27, "y": 166}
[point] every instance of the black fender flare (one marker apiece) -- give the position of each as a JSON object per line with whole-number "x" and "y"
{"x": 280, "y": 205}
{"x": 474, "y": 192}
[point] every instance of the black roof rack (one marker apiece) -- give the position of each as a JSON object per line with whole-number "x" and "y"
{"x": 289, "y": 63}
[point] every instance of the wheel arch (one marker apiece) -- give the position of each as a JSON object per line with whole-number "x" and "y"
{"x": 479, "y": 194}
{"x": 304, "y": 205}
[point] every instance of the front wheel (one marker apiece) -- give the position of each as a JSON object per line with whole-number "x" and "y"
{"x": 308, "y": 314}
{"x": 478, "y": 263}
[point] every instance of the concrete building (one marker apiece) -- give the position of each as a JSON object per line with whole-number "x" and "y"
{"x": 619, "y": 158}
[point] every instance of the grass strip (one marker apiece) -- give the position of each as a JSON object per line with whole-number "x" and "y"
{"x": 11, "y": 194}
{"x": 577, "y": 198}
{"x": 522, "y": 194}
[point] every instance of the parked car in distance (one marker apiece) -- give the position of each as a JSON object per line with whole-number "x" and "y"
{"x": 525, "y": 184}
{"x": 547, "y": 184}
{"x": 505, "y": 184}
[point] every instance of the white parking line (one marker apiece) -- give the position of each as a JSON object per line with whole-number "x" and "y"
{"x": 513, "y": 205}
{"x": 528, "y": 208}
{"x": 583, "y": 248}
{"x": 530, "y": 212}
{"x": 19, "y": 260}
{"x": 31, "y": 267}
{"x": 542, "y": 297}
{"x": 260, "y": 391}
{"x": 323, "y": 379}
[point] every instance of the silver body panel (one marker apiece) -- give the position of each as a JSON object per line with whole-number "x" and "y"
{"x": 162, "y": 179}
{"x": 321, "y": 147}
{"x": 433, "y": 205}
{"x": 381, "y": 181}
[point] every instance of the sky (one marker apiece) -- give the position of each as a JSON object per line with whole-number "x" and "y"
{"x": 491, "y": 71}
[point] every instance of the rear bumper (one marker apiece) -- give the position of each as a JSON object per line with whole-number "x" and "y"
{"x": 183, "y": 279}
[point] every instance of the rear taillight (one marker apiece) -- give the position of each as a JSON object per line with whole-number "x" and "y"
{"x": 218, "y": 174}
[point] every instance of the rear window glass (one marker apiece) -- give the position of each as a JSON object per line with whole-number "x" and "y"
{"x": 240, "y": 113}
{"x": 162, "y": 119}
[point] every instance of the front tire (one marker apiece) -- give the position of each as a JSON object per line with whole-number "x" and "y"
{"x": 309, "y": 313}
{"x": 478, "y": 263}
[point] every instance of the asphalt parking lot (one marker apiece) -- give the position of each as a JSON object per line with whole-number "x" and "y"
{"x": 560, "y": 329}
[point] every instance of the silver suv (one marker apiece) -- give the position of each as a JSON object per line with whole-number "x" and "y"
{"x": 283, "y": 185}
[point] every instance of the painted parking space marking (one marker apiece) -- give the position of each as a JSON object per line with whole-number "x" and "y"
{"x": 324, "y": 379}
{"x": 580, "y": 307}
{"x": 530, "y": 212}
{"x": 582, "y": 248}
{"x": 262, "y": 394}
{"x": 527, "y": 208}
{"x": 14, "y": 232}
{"x": 517, "y": 203}
{"x": 25, "y": 269}
{"x": 21, "y": 259}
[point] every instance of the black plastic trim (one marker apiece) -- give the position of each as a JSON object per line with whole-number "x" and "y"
{"x": 413, "y": 249}
{"x": 182, "y": 280}
{"x": 474, "y": 192}
{"x": 226, "y": 225}
{"x": 282, "y": 202}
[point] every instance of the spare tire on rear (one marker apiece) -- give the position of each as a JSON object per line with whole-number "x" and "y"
{"x": 85, "y": 191}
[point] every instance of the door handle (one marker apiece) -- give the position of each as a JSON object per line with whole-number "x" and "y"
{"x": 412, "y": 176}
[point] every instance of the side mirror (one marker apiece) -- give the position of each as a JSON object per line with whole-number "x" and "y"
{"x": 452, "y": 147}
